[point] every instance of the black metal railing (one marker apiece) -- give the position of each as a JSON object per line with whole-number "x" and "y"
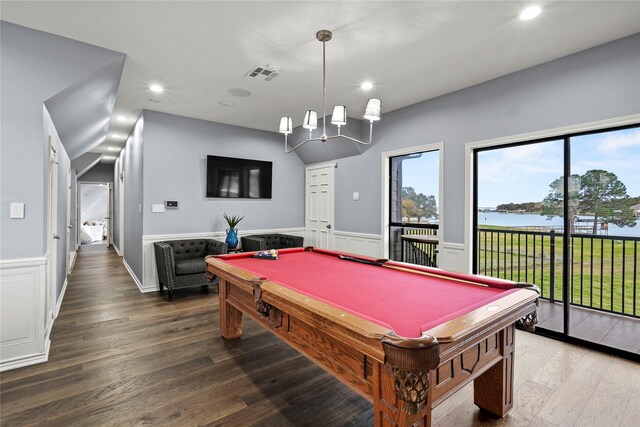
{"x": 604, "y": 269}
{"x": 413, "y": 244}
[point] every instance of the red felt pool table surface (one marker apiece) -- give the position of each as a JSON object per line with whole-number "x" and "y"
{"x": 406, "y": 302}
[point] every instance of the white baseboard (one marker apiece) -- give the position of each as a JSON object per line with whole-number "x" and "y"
{"x": 72, "y": 260}
{"x": 24, "y": 340}
{"x": 116, "y": 248}
{"x": 133, "y": 276}
{"x": 149, "y": 271}
{"x": 60, "y": 298}
{"x": 31, "y": 359}
{"x": 358, "y": 243}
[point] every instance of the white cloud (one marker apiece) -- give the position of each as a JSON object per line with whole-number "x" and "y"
{"x": 620, "y": 139}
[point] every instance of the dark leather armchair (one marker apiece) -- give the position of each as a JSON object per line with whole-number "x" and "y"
{"x": 181, "y": 263}
{"x": 263, "y": 242}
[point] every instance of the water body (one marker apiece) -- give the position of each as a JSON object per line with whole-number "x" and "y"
{"x": 528, "y": 219}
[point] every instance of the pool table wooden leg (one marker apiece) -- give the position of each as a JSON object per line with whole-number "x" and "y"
{"x": 493, "y": 390}
{"x": 388, "y": 409}
{"x": 230, "y": 317}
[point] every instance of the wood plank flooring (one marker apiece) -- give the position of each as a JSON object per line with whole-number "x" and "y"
{"x": 119, "y": 357}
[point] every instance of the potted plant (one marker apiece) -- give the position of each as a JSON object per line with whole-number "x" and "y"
{"x": 232, "y": 231}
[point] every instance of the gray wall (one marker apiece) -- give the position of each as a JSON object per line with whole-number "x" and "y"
{"x": 596, "y": 84}
{"x": 175, "y": 168}
{"x": 131, "y": 157}
{"x": 34, "y": 66}
{"x": 99, "y": 173}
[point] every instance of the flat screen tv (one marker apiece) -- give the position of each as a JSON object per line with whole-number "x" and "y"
{"x": 230, "y": 177}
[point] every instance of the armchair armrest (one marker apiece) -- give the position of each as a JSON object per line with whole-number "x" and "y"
{"x": 289, "y": 241}
{"x": 253, "y": 243}
{"x": 216, "y": 247}
{"x": 165, "y": 263}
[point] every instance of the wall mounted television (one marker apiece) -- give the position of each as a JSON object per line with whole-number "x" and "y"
{"x": 229, "y": 177}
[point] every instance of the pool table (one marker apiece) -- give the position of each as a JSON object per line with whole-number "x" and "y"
{"x": 403, "y": 336}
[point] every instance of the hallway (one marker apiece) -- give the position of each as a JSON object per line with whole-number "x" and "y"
{"x": 119, "y": 357}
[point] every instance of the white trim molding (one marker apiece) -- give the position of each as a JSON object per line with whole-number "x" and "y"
{"x": 134, "y": 277}
{"x": 24, "y": 339}
{"x": 358, "y": 243}
{"x": 470, "y": 147}
{"x": 149, "y": 271}
{"x": 452, "y": 256}
{"x": 72, "y": 261}
{"x": 60, "y": 298}
{"x": 385, "y": 156}
{"x": 116, "y": 249}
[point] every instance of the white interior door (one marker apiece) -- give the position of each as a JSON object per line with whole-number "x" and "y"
{"x": 70, "y": 247}
{"x": 110, "y": 217}
{"x": 319, "y": 206}
{"x": 121, "y": 215}
{"x": 52, "y": 230}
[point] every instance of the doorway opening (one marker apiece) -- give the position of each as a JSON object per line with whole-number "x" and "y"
{"x": 412, "y": 204}
{"x": 94, "y": 202}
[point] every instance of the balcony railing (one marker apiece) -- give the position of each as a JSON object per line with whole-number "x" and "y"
{"x": 603, "y": 269}
{"x": 417, "y": 244}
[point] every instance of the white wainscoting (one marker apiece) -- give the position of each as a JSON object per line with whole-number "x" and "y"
{"x": 149, "y": 271}
{"x": 358, "y": 243}
{"x": 23, "y": 334}
{"x": 452, "y": 257}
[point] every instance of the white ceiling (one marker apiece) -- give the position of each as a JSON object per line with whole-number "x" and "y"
{"x": 411, "y": 51}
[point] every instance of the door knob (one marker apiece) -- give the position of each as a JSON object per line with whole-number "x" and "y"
{"x": 328, "y": 225}
{"x": 55, "y": 236}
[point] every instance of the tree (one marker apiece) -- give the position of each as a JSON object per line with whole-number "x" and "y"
{"x": 598, "y": 192}
{"x": 418, "y": 205}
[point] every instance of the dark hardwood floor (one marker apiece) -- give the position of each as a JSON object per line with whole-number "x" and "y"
{"x": 122, "y": 358}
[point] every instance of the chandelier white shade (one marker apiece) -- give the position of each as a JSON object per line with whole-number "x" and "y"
{"x": 310, "y": 120}
{"x": 338, "y": 118}
{"x": 286, "y": 125}
{"x": 372, "y": 110}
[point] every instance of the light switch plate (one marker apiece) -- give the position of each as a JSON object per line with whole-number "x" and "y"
{"x": 356, "y": 196}
{"x": 157, "y": 208}
{"x": 16, "y": 210}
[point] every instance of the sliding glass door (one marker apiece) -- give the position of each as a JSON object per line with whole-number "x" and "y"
{"x": 564, "y": 214}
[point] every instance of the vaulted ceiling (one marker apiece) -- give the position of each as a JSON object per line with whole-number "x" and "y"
{"x": 201, "y": 52}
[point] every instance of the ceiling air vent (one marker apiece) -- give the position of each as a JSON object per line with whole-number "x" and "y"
{"x": 266, "y": 73}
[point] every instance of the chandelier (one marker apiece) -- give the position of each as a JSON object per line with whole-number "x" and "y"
{"x": 339, "y": 116}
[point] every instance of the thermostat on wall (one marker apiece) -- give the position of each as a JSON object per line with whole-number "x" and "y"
{"x": 171, "y": 203}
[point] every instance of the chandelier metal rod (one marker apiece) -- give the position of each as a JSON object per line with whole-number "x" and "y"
{"x": 324, "y": 91}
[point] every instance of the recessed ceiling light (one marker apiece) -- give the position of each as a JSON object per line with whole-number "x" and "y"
{"x": 366, "y": 85}
{"x": 226, "y": 103}
{"x": 121, "y": 118}
{"x": 239, "y": 92}
{"x": 530, "y": 13}
{"x": 113, "y": 148}
{"x": 156, "y": 88}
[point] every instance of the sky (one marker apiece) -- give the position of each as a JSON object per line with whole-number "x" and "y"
{"x": 523, "y": 174}
{"x": 423, "y": 173}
